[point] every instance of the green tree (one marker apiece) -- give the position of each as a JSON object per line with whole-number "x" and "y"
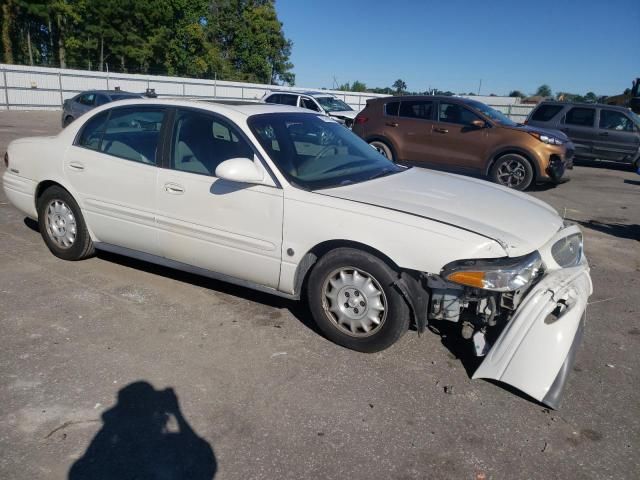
{"x": 544, "y": 90}
{"x": 590, "y": 97}
{"x": 516, "y": 93}
{"x": 400, "y": 86}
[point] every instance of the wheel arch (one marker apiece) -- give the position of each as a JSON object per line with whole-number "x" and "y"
{"x": 518, "y": 151}
{"x": 310, "y": 258}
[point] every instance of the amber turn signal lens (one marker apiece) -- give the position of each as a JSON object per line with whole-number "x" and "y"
{"x": 471, "y": 279}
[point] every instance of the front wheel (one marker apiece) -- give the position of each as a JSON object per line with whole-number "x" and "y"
{"x": 513, "y": 171}
{"x": 354, "y": 302}
{"x": 383, "y": 149}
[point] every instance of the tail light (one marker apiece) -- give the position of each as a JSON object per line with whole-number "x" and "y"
{"x": 6, "y": 159}
{"x": 360, "y": 119}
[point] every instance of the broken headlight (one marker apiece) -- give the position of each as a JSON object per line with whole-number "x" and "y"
{"x": 498, "y": 275}
{"x": 567, "y": 252}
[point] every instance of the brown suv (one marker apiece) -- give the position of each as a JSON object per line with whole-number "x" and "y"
{"x": 465, "y": 136}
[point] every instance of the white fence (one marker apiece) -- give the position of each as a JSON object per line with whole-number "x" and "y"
{"x": 43, "y": 88}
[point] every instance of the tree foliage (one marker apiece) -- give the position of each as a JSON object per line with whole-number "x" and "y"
{"x": 400, "y": 86}
{"x": 516, "y": 93}
{"x": 230, "y": 39}
{"x": 543, "y": 90}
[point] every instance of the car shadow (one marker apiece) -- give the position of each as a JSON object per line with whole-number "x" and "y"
{"x": 298, "y": 309}
{"x": 619, "y": 230}
{"x": 145, "y": 436}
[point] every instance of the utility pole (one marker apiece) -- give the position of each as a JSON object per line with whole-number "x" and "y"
{"x": 479, "y": 86}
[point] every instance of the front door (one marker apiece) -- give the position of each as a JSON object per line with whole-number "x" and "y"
{"x": 229, "y": 228}
{"x": 112, "y": 167}
{"x": 617, "y": 137}
{"x": 455, "y": 142}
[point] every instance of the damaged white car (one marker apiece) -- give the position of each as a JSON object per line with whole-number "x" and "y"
{"x": 293, "y": 204}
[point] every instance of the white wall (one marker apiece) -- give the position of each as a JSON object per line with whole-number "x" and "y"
{"x": 33, "y": 88}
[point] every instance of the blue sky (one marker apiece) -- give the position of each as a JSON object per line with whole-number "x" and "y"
{"x": 574, "y": 46}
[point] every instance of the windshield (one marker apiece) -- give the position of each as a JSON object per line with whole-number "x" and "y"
{"x": 492, "y": 113}
{"x": 332, "y": 104}
{"x": 315, "y": 152}
{"x": 635, "y": 117}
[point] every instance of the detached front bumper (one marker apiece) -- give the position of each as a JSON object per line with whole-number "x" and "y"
{"x": 536, "y": 349}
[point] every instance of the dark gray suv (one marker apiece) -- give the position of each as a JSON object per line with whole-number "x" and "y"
{"x": 602, "y": 132}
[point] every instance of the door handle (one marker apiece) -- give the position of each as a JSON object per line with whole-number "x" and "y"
{"x": 391, "y": 124}
{"x": 173, "y": 188}
{"x": 441, "y": 130}
{"x": 604, "y": 134}
{"x": 77, "y": 166}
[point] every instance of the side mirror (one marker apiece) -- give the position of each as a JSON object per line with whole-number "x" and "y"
{"x": 478, "y": 123}
{"x": 241, "y": 170}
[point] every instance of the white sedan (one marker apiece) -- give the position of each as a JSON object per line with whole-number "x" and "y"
{"x": 291, "y": 203}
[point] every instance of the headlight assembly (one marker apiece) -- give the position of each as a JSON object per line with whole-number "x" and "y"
{"x": 567, "y": 252}
{"x": 549, "y": 139}
{"x": 498, "y": 275}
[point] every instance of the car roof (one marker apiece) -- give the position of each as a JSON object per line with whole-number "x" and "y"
{"x": 583, "y": 104}
{"x": 228, "y": 108}
{"x": 404, "y": 98}
{"x": 309, "y": 93}
{"x": 111, "y": 92}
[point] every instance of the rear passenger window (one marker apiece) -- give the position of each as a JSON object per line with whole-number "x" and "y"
{"x": 133, "y": 133}
{"x": 288, "y": 100}
{"x": 612, "y": 120}
{"x": 583, "y": 117}
{"x": 544, "y": 113}
{"x": 417, "y": 109}
{"x": 201, "y": 142}
{"x": 91, "y": 134}
{"x": 392, "y": 108}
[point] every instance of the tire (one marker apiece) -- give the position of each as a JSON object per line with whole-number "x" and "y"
{"x": 513, "y": 171}
{"x": 62, "y": 226}
{"x": 346, "y": 305}
{"x": 67, "y": 121}
{"x": 383, "y": 149}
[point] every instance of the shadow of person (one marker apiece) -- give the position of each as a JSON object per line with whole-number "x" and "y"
{"x": 145, "y": 437}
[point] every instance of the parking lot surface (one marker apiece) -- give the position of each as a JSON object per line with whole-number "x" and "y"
{"x": 261, "y": 395}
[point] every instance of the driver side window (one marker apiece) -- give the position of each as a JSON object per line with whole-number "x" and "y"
{"x": 455, "y": 113}
{"x": 309, "y": 104}
{"x": 201, "y": 142}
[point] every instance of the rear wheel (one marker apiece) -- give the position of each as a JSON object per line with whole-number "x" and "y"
{"x": 383, "y": 149}
{"x": 353, "y": 300}
{"x": 62, "y": 226}
{"x": 513, "y": 171}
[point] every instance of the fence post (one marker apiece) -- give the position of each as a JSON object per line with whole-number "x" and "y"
{"x": 184, "y": 86}
{"x": 6, "y": 88}
{"x": 60, "y": 87}
{"x": 509, "y": 112}
{"x": 215, "y": 85}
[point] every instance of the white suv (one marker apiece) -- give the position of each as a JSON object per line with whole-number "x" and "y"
{"x": 318, "y": 102}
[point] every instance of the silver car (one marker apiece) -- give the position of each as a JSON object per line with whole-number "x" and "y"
{"x": 73, "y": 107}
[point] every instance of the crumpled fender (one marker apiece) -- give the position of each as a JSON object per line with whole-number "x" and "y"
{"x": 535, "y": 351}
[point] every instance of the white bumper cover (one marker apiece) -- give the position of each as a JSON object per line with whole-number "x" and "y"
{"x": 536, "y": 349}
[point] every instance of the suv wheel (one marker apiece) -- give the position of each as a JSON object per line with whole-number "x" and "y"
{"x": 383, "y": 149}
{"x": 353, "y": 301}
{"x": 513, "y": 171}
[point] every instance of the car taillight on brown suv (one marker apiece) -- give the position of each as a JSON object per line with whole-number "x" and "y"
{"x": 464, "y": 136}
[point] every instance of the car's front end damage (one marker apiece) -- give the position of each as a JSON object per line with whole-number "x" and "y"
{"x": 533, "y": 306}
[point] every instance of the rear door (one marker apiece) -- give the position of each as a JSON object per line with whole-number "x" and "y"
{"x": 112, "y": 167}
{"x": 579, "y": 125}
{"x": 455, "y": 142}
{"x": 617, "y": 137}
{"x": 411, "y": 130}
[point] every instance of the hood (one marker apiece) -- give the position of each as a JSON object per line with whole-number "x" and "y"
{"x": 517, "y": 221}
{"x": 344, "y": 114}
